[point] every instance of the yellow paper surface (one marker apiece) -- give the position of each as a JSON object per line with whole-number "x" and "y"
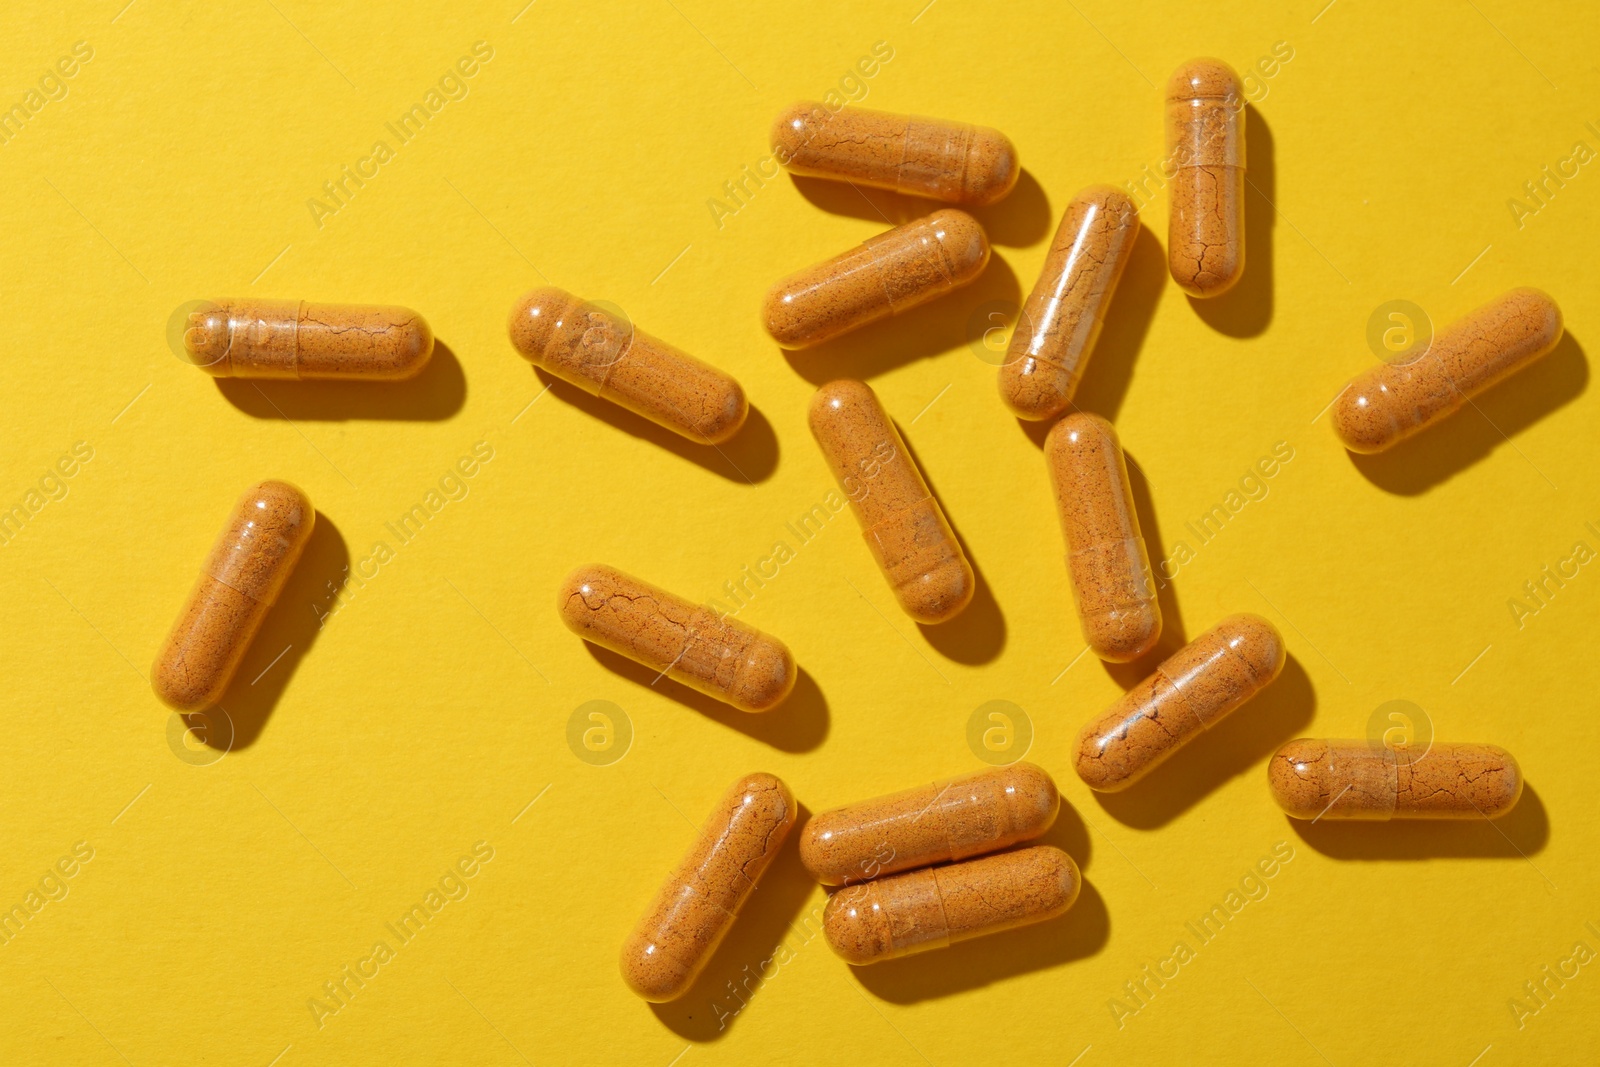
{"x": 425, "y": 722}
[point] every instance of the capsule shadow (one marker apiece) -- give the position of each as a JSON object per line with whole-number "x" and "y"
{"x": 750, "y": 456}
{"x": 1079, "y": 934}
{"x": 438, "y": 392}
{"x": 1446, "y": 449}
{"x": 799, "y": 724}
{"x": 1239, "y": 742}
{"x": 764, "y": 939}
{"x": 1019, "y": 220}
{"x": 1174, "y": 635}
{"x": 1246, "y": 309}
{"x": 1516, "y": 835}
{"x": 285, "y": 638}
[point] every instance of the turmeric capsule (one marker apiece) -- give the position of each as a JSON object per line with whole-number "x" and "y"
{"x": 902, "y": 523}
{"x": 701, "y": 898}
{"x": 935, "y": 907}
{"x": 601, "y": 353}
{"x": 1205, "y": 154}
{"x": 1061, "y": 320}
{"x": 243, "y": 575}
{"x": 948, "y": 820}
{"x": 295, "y": 339}
{"x": 885, "y": 275}
{"x": 722, "y": 658}
{"x": 1392, "y": 401}
{"x": 1106, "y": 556}
{"x": 1193, "y": 690}
{"x": 947, "y": 161}
{"x": 1317, "y": 779}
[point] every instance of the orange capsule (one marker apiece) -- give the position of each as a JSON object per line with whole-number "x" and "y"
{"x": 243, "y": 575}
{"x": 1106, "y": 556}
{"x": 886, "y": 275}
{"x": 295, "y": 339}
{"x": 1317, "y": 779}
{"x": 902, "y": 523}
{"x": 601, "y": 353}
{"x": 1205, "y": 154}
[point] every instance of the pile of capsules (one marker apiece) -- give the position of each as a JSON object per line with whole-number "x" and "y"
{"x": 927, "y": 867}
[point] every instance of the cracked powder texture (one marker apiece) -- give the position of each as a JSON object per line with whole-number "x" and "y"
{"x": 948, "y": 161}
{"x": 902, "y": 523}
{"x": 1392, "y": 401}
{"x": 722, "y": 658}
{"x": 1106, "y": 555}
{"x": 1205, "y": 154}
{"x": 242, "y": 575}
{"x": 885, "y": 275}
{"x": 604, "y": 355}
{"x": 1355, "y": 779}
{"x": 293, "y": 339}
{"x": 1199, "y": 684}
{"x": 947, "y": 820}
{"x": 701, "y": 898}
{"x": 1061, "y": 320}
{"x": 938, "y": 906}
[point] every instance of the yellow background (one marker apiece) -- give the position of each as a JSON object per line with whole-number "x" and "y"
{"x": 432, "y": 708}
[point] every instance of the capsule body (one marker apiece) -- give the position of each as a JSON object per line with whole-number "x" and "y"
{"x": 947, "y": 161}
{"x": 1061, "y": 320}
{"x": 297, "y": 340}
{"x": 604, "y": 355}
{"x": 902, "y": 523}
{"x": 1106, "y": 556}
{"x": 947, "y": 820}
{"x": 241, "y": 577}
{"x": 701, "y": 898}
{"x": 1195, "y": 688}
{"x": 1322, "y": 779}
{"x": 938, "y": 906}
{"x": 885, "y": 275}
{"x": 1205, "y": 154}
{"x": 1392, "y": 401}
{"x": 722, "y": 658}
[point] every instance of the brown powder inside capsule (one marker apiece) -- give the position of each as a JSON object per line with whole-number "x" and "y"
{"x": 1354, "y": 779}
{"x": 296, "y": 339}
{"x": 1206, "y": 151}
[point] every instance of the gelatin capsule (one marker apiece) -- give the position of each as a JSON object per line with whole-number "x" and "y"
{"x": 601, "y": 353}
{"x": 902, "y": 523}
{"x": 1106, "y": 556}
{"x": 947, "y": 820}
{"x": 885, "y": 275}
{"x": 1205, "y": 153}
{"x": 1392, "y": 401}
{"x": 1061, "y": 321}
{"x": 1193, "y": 690}
{"x": 1322, "y": 779}
{"x": 947, "y": 161}
{"x": 244, "y": 573}
{"x": 701, "y": 898}
{"x": 935, "y": 907}
{"x": 722, "y": 658}
{"x": 297, "y": 340}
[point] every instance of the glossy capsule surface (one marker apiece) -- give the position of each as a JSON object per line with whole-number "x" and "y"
{"x": 935, "y": 907}
{"x": 1356, "y": 779}
{"x": 951, "y": 819}
{"x": 885, "y": 275}
{"x": 904, "y": 527}
{"x": 1106, "y": 556}
{"x": 601, "y": 352}
{"x": 949, "y": 161}
{"x": 296, "y": 339}
{"x": 1205, "y": 155}
{"x": 721, "y": 657}
{"x": 1392, "y": 401}
{"x": 243, "y": 574}
{"x": 1193, "y": 690}
{"x": 1061, "y": 320}
{"x": 701, "y": 898}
